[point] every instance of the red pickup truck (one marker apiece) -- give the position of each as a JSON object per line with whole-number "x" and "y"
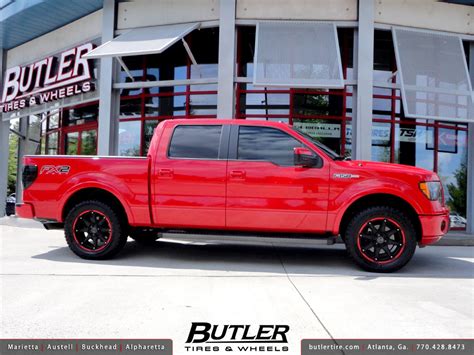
{"x": 245, "y": 178}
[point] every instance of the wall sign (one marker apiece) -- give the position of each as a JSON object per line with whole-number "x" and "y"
{"x": 52, "y": 78}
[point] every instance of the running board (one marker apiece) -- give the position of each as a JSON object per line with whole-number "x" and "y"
{"x": 220, "y": 238}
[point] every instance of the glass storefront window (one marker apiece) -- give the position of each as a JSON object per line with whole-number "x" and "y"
{"x": 80, "y": 115}
{"x": 72, "y": 143}
{"x": 88, "y": 142}
{"x": 52, "y": 143}
{"x": 53, "y": 119}
{"x": 141, "y": 110}
{"x": 129, "y": 138}
{"x": 452, "y": 168}
{"x": 412, "y": 145}
{"x": 130, "y": 108}
{"x": 70, "y": 130}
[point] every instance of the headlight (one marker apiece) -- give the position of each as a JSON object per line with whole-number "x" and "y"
{"x": 431, "y": 189}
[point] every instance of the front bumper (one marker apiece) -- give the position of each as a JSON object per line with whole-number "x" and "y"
{"x": 433, "y": 227}
{"x": 25, "y": 210}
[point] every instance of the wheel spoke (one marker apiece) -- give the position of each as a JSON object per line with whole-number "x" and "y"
{"x": 101, "y": 237}
{"x": 387, "y": 251}
{"x": 366, "y": 236}
{"x": 392, "y": 241}
{"x": 383, "y": 226}
{"x": 391, "y": 232}
{"x": 370, "y": 245}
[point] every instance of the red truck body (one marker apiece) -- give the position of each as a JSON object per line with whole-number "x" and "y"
{"x": 231, "y": 194}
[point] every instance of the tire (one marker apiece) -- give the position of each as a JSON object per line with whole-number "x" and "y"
{"x": 93, "y": 230}
{"x": 381, "y": 239}
{"x": 144, "y": 236}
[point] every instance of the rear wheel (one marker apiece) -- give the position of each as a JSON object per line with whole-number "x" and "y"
{"x": 144, "y": 236}
{"x": 93, "y": 230}
{"x": 381, "y": 239}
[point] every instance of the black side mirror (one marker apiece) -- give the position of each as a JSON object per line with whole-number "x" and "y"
{"x": 306, "y": 158}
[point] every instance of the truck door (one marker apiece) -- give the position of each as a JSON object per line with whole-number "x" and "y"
{"x": 265, "y": 191}
{"x": 189, "y": 177}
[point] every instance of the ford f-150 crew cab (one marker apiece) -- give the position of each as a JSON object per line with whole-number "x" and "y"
{"x": 240, "y": 178}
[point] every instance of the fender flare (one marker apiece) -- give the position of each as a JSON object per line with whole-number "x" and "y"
{"x": 376, "y": 191}
{"x": 95, "y": 185}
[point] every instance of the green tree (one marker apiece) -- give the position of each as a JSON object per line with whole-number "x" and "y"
{"x": 12, "y": 163}
{"x": 457, "y": 191}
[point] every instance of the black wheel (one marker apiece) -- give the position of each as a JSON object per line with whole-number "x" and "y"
{"x": 144, "y": 236}
{"x": 93, "y": 230}
{"x": 381, "y": 239}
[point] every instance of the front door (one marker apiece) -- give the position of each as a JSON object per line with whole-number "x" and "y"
{"x": 265, "y": 191}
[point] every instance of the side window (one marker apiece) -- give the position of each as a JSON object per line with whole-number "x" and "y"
{"x": 268, "y": 144}
{"x": 195, "y": 142}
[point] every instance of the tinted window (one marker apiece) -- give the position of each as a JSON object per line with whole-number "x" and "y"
{"x": 198, "y": 142}
{"x": 268, "y": 144}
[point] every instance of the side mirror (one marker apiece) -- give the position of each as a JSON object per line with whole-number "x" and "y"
{"x": 306, "y": 158}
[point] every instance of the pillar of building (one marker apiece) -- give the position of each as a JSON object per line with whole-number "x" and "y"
{"x": 225, "y": 86}
{"x": 22, "y": 151}
{"x": 108, "y": 98}
{"x": 470, "y": 156}
{"x": 4, "y": 148}
{"x": 363, "y": 66}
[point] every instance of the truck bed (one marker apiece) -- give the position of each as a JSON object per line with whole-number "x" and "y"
{"x": 59, "y": 177}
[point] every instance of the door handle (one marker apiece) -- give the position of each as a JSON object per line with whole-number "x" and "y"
{"x": 165, "y": 173}
{"x": 237, "y": 174}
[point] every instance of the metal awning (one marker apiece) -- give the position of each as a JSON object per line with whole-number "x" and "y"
{"x": 142, "y": 41}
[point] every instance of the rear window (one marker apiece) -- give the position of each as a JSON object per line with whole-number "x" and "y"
{"x": 195, "y": 142}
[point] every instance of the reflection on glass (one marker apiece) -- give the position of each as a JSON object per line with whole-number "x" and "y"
{"x": 381, "y": 142}
{"x": 52, "y": 143}
{"x": 152, "y": 106}
{"x": 328, "y": 132}
{"x": 413, "y": 146}
{"x": 148, "y": 130}
{"x": 195, "y": 142}
{"x": 88, "y": 142}
{"x": 266, "y": 144}
{"x": 72, "y": 142}
{"x": 129, "y": 138}
{"x": 130, "y": 108}
{"x": 452, "y": 169}
{"x": 80, "y": 115}
{"x": 53, "y": 121}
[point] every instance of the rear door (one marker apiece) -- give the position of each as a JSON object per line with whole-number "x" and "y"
{"x": 265, "y": 191}
{"x": 189, "y": 176}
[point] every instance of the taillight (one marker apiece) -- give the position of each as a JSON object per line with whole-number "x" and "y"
{"x": 30, "y": 172}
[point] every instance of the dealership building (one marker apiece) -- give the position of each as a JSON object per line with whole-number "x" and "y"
{"x": 381, "y": 80}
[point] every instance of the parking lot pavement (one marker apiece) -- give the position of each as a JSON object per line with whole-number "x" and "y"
{"x": 157, "y": 291}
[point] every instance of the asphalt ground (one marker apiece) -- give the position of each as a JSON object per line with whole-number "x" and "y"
{"x": 157, "y": 291}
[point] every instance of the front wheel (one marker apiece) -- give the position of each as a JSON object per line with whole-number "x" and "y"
{"x": 93, "y": 230}
{"x": 381, "y": 239}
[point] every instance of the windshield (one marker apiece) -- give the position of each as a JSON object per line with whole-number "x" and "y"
{"x": 331, "y": 153}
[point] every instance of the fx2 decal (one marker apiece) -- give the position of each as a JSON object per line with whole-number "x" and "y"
{"x": 55, "y": 169}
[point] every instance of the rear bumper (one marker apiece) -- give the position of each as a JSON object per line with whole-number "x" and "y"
{"x": 434, "y": 227}
{"x": 25, "y": 210}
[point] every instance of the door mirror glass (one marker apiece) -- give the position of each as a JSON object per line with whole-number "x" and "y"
{"x": 306, "y": 158}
